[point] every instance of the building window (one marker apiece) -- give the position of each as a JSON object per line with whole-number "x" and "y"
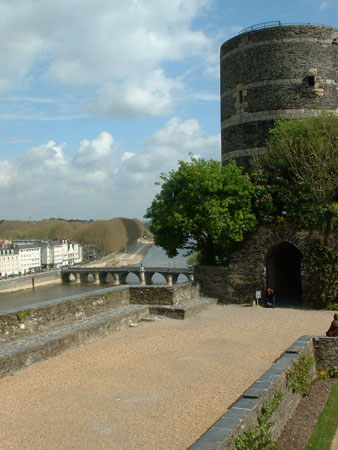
{"x": 240, "y": 96}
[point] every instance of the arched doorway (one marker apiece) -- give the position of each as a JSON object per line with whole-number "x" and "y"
{"x": 283, "y": 274}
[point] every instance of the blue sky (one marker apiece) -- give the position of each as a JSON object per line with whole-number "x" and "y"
{"x": 98, "y": 98}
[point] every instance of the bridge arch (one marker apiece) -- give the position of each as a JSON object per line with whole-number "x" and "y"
{"x": 283, "y": 273}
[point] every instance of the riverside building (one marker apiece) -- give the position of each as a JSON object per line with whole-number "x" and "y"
{"x": 19, "y": 257}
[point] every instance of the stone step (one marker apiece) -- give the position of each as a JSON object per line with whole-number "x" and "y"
{"x": 183, "y": 309}
{"x": 24, "y": 352}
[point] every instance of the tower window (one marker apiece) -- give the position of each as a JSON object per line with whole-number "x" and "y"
{"x": 311, "y": 80}
{"x": 240, "y": 94}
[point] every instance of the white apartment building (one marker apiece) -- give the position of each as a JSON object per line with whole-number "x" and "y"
{"x": 51, "y": 254}
{"x": 9, "y": 261}
{"x": 60, "y": 252}
{"x": 19, "y": 257}
{"x": 75, "y": 253}
{"x": 29, "y": 256}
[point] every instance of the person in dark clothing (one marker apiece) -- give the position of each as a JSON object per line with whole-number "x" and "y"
{"x": 270, "y": 298}
{"x": 333, "y": 330}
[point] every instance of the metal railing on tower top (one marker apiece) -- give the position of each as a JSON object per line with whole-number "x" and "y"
{"x": 272, "y": 24}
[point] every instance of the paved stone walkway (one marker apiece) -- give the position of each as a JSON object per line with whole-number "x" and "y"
{"x": 156, "y": 386}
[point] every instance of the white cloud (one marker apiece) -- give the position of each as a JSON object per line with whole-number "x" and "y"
{"x": 175, "y": 141}
{"x": 136, "y": 97}
{"x": 327, "y": 4}
{"x": 96, "y": 151}
{"x": 7, "y": 173}
{"x": 114, "y": 48}
{"x": 102, "y": 179}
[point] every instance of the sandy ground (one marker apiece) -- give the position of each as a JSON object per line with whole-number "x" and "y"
{"x": 158, "y": 386}
{"x": 334, "y": 445}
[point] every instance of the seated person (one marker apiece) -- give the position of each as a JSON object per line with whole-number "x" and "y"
{"x": 270, "y": 298}
{"x": 333, "y": 330}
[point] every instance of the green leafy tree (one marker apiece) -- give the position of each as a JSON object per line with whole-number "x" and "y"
{"x": 202, "y": 207}
{"x": 321, "y": 264}
{"x": 298, "y": 174}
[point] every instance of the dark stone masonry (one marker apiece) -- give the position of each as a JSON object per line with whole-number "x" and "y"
{"x": 326, "y": 352}
{"x": 272, "y": 257}
{"x": 273, "y": 73}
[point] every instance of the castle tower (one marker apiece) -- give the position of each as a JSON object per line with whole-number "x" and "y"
{"x": 270, "y": 72}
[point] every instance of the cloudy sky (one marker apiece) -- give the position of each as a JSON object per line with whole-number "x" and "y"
{"x": 97, "y": 98}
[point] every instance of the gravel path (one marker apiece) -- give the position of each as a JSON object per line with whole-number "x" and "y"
{"x": 157, "y": 386}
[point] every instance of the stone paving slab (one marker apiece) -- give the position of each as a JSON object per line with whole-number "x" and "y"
{"x": 24, "y": 352}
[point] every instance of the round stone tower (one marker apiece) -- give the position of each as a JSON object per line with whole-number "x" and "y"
{"x": 271, "y": 73}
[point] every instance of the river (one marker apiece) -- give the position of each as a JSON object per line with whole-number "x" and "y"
{"x": 155, "y": 257}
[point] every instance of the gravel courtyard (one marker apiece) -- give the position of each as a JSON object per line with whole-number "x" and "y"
{"x": 159, "y": 385}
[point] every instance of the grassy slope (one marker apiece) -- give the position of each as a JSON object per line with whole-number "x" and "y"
{"x": 327, "y": 424}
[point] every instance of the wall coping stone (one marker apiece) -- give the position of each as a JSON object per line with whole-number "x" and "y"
{"x": 62, "y": 300}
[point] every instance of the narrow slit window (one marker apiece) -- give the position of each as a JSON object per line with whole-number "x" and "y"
{"x": 240, "y": 96}
{"x": 311, "y": 80}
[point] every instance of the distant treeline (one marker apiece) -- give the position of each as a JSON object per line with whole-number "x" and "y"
{"x": 107, "y": 235}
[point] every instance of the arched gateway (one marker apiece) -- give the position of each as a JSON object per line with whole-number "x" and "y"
{"x": 272, "y": 257}
{"x": 283, "y": 273}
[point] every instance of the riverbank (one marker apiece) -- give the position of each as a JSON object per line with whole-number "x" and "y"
{"x": 133, "y": 254}
{"x": 30, "y": 281}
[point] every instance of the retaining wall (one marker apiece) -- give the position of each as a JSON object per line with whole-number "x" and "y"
{"x": 326, "y": 352}
{"x": 30, "y": 319}
{"x": 34, "y": 318}
{"x": 28, "y": 281}
{"x": 164, "y": 295}
{"x": 244, "y": 412}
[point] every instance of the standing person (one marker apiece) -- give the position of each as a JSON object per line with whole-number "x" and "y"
{"x": 333, "y": 330}
{"x": 270, "y": 298}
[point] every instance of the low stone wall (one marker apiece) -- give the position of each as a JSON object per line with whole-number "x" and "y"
{"x": 326, "y": 352}
{"x": 22, "y": 353}
{"x": 244, "y": 412}
{"x": 29, "y": 281}
{"x": 164, "y": 295}
{"x": 26, "y": 321}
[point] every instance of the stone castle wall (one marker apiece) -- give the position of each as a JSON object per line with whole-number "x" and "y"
{"x": 246, "y": 273}
{"x": 273, "y": 73}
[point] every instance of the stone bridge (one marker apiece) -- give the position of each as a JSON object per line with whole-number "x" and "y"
{"x": 119, "y": 274}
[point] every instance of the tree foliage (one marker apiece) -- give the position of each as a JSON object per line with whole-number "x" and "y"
{"x": 106, "y": 235}
{"x": 321, "y": 264}
{"x": 202, "y": 207}
{"x": 298, "y": 174}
